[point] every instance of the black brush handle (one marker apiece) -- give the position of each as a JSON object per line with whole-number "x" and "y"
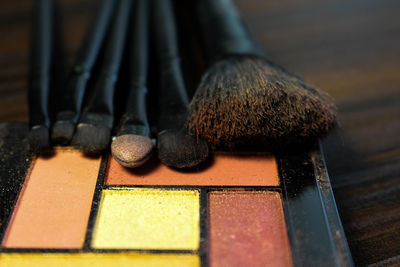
{"x": 172, "y": 95}
{"x": 134, "y": 120}
{"x": 100, "y": 107}
{"x": 223, "y": 31}
{"x": 74, "y": 91}
{"x": 40, "y": 64}
{"x": 59, "y": 61}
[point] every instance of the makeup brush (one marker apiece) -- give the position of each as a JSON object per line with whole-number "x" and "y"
{"x": 39, "y": 76}
{"x": 244, "y": 98}
{"x": 176, "y": 148}
{"x": 132, "y": 145}
{"x": 93, "y": 132}
{"x": 73, "y": 93}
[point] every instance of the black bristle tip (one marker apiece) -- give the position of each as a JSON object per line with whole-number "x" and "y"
{"x": 243, "y": 100}
{"x": 178, "y": 149}
{"x": 39, "y": 139}
{"x": 90, "y": 138}
{"x": 62, "y": 132}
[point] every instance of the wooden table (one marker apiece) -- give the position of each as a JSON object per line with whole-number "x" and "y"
{"x": 350, "y": 49}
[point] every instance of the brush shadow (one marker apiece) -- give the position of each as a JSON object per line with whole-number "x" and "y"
{"x": 48, "y": 154}
{"x": 92, "y": 155}
{"x": 152, "y": 165}
{"x": 208, "y": 163}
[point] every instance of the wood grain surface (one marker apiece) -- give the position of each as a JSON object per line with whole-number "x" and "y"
{"x": 350, "y": 49}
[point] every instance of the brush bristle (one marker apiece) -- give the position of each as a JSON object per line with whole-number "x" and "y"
{"x": 62, "y": 132}
{"x": 131, "y": 150}
{"x": 246, "y": 100}
{"x": 178, "y": 149}
{"x": 91, "y": 138}
{"x": 39, "y": 139}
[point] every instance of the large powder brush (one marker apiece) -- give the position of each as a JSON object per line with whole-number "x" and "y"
{"x": 245, "y": 99}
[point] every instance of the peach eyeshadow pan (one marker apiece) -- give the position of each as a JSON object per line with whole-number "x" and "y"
{"x": 54, "y": 205}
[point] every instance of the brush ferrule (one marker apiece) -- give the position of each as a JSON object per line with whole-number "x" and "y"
{"x": 97, "y": 119}
{"x": 173, "y": 95}
{"x": 135, "y": 111}
{"x": 102, "y": 100}
{"x": 72, "y": 100}
{"x": 171, "y": 121}
{"x": 36, "y": 127}
{"x": 173, "y": 98}
{"x": 224, "y": 32}
{"x": 39, "y": 120}
{"x": 134, "y": 128}
{"x": 38, "y": 101}
{"x": 67, "y": 116}
{"x": 82, "y": 70}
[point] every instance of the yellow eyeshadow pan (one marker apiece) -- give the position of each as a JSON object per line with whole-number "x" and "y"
{"x": 98, "y": 259}
{"x": 141, "y": 218}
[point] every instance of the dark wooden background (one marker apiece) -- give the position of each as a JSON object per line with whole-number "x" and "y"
{"x": 350, "y": 49}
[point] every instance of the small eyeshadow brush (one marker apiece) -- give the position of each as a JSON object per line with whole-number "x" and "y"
{"x": 39, "y": 76}
{"x": 132, "y": 146}
{"x": 73, "y": 93}
{"x": 245, "y": 99}
{"x": 176, "y": 148}
{"x": 93, "y": 132}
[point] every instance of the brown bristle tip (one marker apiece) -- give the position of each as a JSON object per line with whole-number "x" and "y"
{"x": 131, "y": 150}
{"x": 62, "y": 132}
{"x": 244, "y": 98}
{"x": 91, "y": 138}
{"x": 39, "y": 139}
{"x": 178, "y": 149}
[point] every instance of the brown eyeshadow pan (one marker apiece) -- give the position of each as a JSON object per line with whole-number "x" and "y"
{"x": 247, "y": 229}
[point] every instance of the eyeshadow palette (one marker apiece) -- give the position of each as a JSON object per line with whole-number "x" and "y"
{"x": 240, "y": 209}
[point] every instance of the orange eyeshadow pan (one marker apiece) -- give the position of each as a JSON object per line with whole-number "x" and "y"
{"x": 227, "y": 169}
{"x": 54, "y": 205}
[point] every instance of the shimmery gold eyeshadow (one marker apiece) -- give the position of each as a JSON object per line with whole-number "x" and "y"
{"x": 227, "y": 169}
{"x": 247, "y": 229}
{"x": 54, "y": 206}
{"x": 99, "y": 259}
{"x": 141, "y": 218}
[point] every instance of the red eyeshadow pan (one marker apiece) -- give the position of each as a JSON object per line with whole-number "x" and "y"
{"x": 247, "y": 229}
